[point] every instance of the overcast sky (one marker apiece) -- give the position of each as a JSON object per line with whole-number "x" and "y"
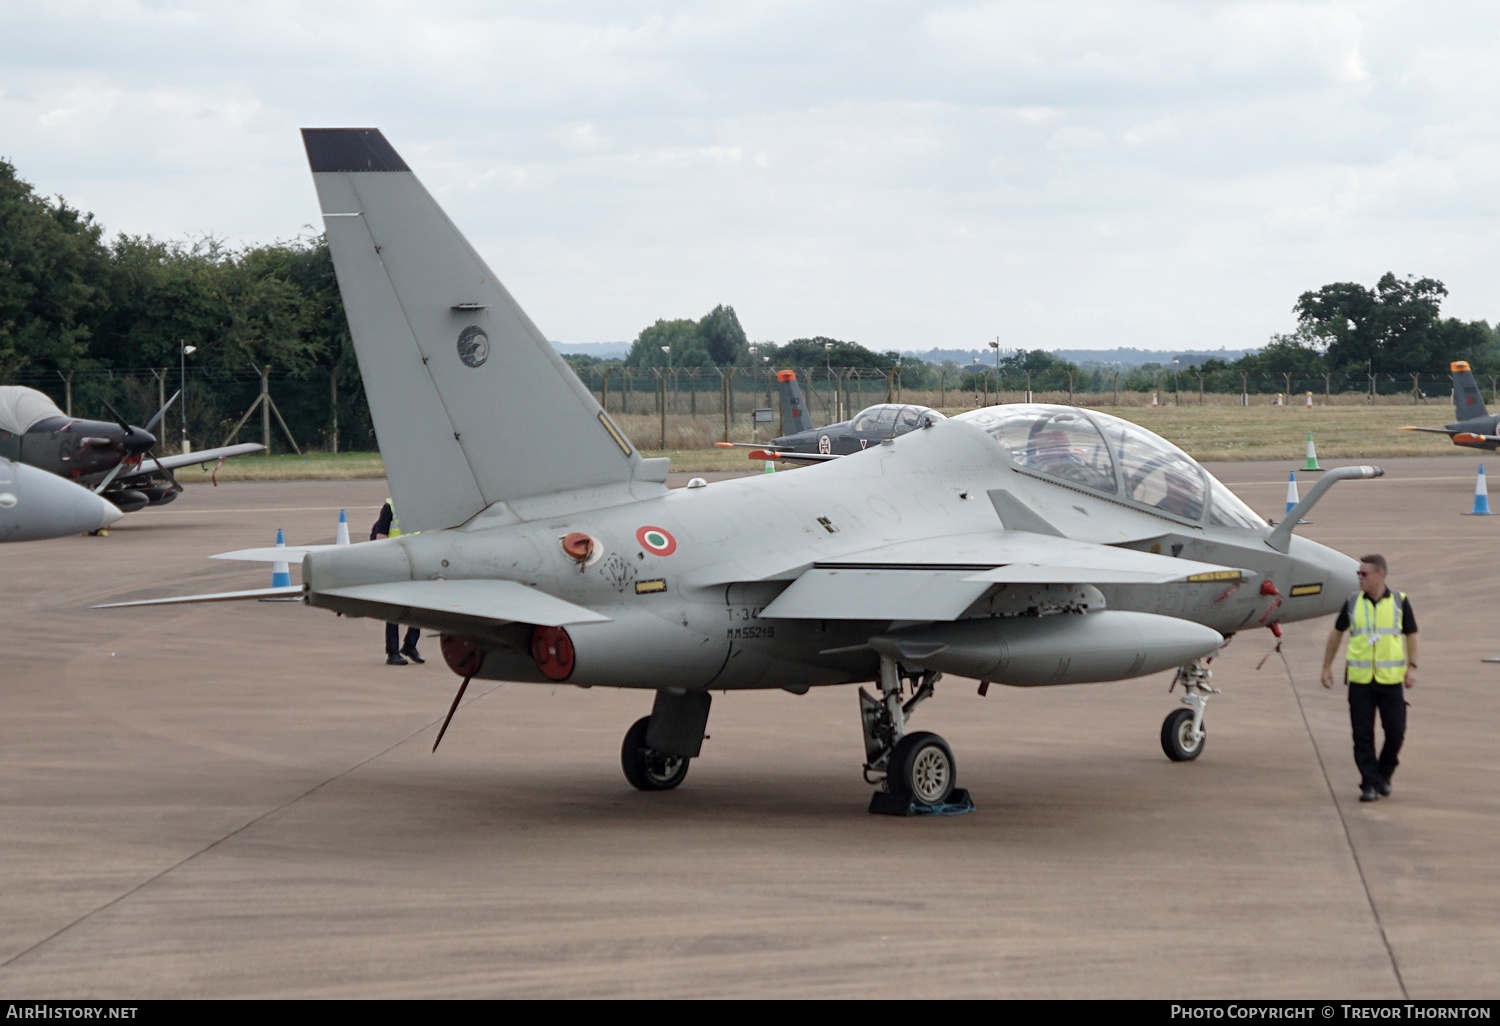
{"x": 1059, "y": 174}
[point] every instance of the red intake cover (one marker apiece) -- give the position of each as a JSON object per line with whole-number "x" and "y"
{"x": 463, "y": 655}
{"x": 553, "y": 651}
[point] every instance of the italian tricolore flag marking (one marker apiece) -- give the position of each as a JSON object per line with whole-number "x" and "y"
{"x": 656, "y": 541}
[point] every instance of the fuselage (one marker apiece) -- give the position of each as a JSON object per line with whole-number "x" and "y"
{"x": 685, "y": 577}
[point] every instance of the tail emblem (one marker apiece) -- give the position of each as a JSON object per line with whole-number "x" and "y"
{"x": 473, "y": 346}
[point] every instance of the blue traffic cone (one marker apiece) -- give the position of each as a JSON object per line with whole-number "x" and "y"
{"x": 342, "y": 537}
{"x": 1481, "y": 496}
{"x": 1291, "y": 496}
{"x": 281, "y": 574}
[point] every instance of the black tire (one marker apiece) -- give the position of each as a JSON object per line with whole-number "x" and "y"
{"x": 1176, "y": 736}
{"x": 645, "y": 768}
{"x": 922, "y": 768}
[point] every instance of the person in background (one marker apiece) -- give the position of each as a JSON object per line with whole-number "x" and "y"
{"x": 389, "y": 526}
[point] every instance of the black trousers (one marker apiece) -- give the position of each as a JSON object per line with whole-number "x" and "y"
{"x": 1364, "y": 699}
{"x": 393, "y": 634}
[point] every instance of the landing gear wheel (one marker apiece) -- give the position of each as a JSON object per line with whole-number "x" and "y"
{"x": 646, "y": 768}
{"x": 1177, "y": 738}
{"x": 922, "y": 768}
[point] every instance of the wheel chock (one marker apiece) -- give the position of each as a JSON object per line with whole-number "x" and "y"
{"x": 883, "y": 803}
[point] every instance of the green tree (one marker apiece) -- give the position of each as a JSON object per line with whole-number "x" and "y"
{"x": 722, "y": 336}
{"x": 1392, "y": 329}
{"x": 51, "y": 264}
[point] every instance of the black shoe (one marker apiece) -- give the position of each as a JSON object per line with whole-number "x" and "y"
{"x": 411, "y": 653}
{"x": 1384, "y": 787}
{"x": 394, "y": 660}
{"x": 1369, "y": 794}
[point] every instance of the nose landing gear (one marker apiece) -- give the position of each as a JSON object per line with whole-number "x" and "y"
{"x": 917, "y": 772}
{"x": 1182, "y": 732}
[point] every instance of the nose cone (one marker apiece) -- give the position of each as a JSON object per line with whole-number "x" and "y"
{"x": 35, "y": 505}
{"x": 139, "y": 440}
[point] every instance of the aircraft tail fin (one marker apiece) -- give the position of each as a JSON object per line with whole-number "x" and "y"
{"x": 794, "y": 415}
{"x": 472, "y": 405}
{"x": 1467, "y": 400}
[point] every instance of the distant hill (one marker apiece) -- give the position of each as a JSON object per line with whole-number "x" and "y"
{"x": 1122, "y": 357}
{"x": 603, "y": 350}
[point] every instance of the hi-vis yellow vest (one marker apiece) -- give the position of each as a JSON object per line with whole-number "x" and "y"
{"x": 1377, "y": 648}
{"x": 395, "y": 531}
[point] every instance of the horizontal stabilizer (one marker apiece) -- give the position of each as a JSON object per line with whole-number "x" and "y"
{"x": 292, "y": 591}
{"x": 493, "y": 601}
{"x": 273, "y": 553}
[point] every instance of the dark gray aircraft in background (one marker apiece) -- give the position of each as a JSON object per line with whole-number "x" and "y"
{"x": 111, "y": 457}
{"x": 806, "y": 443}
{"x": 1476, "y": 427}
{"x": 1025, "y": 545}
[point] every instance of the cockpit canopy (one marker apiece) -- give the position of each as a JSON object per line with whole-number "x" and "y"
{"x": 1106, "y": 454}
{"x": 892, "y": 419}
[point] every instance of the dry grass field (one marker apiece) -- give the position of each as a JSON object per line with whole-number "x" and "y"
{"x": 1209, "y": 432}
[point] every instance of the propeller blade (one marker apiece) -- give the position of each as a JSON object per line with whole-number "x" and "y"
{"x": 451, "y": 710}
{"x": 115, "y": 470}
{"x": 124, "y": 424}
{"x": 151, "y": 425}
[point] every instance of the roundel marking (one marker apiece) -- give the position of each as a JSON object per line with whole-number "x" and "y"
{"x": 824, "y": 445}
{"x": 656, "y": 541}
{"x": 473, "y": 346}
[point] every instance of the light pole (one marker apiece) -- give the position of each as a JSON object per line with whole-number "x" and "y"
{"x": 828, "y": 362}
{"x": 1176, "y": 399}
{"x": 995, "y": 345}
{"x": 182, "y": 352}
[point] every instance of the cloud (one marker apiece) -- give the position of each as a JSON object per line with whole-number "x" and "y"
{"x": 1069, "y": 174}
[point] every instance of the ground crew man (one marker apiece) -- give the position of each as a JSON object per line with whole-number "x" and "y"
{"x": 389, "y": 526}
{"x": 1380, "y": 664}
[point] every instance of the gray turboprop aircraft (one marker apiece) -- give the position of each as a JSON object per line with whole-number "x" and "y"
{"x": 1025, "y": 545}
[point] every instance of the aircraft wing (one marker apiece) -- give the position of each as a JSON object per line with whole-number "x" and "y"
{"x": 1466, "y": 436}
{"x": 938, "y": 579}
{"x": 191, "y": 459}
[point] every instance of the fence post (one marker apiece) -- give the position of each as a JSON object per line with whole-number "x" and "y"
{"x": 265, "y": 408}
{"x": 724, "y": 398}
{"x": 942, "y": 388}
{"x": 1070, "y": 388}
{"x": 1244, "y": 388}
{"x": 1199, "y": 372}
{"x": 333, "y": 404}
{"x": 889, "y": 385}
{"x": 661, "y": 392}
{"x": 1327, "y": 388}
{"x": 1415, "y": 389}
{"x": 1117, "y": 388}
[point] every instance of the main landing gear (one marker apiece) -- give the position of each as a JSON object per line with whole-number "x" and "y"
{"x": 917, "y": 771}
{"x": 658, "y": 747}
{"x": 1182, "y": 732}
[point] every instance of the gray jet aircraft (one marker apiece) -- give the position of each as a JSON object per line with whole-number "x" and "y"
{"x": 1025, "y": 545}
{"x": 805, "y": 443}
{"x": 1476, "y": 427}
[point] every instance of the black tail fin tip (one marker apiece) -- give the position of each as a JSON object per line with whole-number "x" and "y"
{"x": 350, "y": 150}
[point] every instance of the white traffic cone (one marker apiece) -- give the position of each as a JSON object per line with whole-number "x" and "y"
{"x": 1309, "y": 400}
{"x": 1153, "y": 399}
{"x": 1481, "y": 496}
{"x": 342, "y": 537}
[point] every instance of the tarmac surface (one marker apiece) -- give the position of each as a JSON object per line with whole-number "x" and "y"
{"x": 239, "y": 800}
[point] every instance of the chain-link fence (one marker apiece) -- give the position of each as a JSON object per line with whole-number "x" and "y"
{"x": 689, "y": 407}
